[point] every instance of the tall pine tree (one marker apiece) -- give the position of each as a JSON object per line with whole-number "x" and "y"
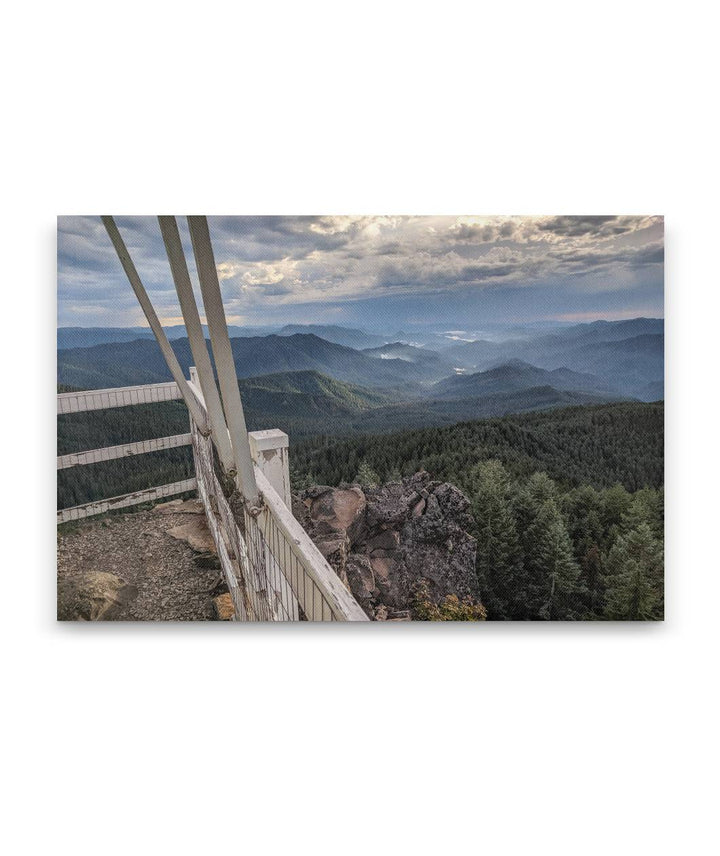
{"x": 635, "y": 577}
{"x": 553, "y": 587}
{"x": 499, "y": 556}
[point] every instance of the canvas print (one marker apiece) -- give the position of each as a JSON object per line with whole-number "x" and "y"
{"x": 360, "y": 418}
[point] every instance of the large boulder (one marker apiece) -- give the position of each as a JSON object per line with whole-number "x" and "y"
{"x": 335, "y": 510}
{"x": 93, "y": 596}
{"x": 195, "y": 533}
{"x": 383, "y": 541}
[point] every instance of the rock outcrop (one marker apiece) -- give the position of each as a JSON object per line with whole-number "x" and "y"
{"x": 94, "y": 596}
{"x": 195, "y": 533}
{"x": 383, "y": 541}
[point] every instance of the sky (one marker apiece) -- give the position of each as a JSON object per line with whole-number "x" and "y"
{"x": 378, "y": 272}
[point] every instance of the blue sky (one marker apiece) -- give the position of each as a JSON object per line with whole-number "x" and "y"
{"x": 383, "y": 272}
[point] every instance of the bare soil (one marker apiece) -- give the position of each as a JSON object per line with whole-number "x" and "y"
{"x": 137, "y": 548}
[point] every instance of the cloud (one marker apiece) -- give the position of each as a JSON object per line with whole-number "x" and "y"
{"x": 284, "y": 261}
{"x": 593, "y": 226}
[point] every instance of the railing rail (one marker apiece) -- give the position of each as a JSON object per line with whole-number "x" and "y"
{"x": 123, "y": 396}
{"x": 100, "y": 506}
{"x": 102, "y": 399}
{"x": 110, "y": 453}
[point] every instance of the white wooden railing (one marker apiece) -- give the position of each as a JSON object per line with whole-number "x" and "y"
{"x": 273, "y": 570}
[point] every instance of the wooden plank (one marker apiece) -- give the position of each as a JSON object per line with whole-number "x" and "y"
{"x": 222, "y": 352}
{"x": 230, "y": 568}
{"x": 152, "y": 319}
{"x": 269, "y": 450}
{"x": 78, "y": 512}
{"x": 109, "y": 453}
{"x": 203, "y": 369}
{"x": 100, "y": 399}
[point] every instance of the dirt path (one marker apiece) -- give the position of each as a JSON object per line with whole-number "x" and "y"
{"x": 138, "y": 549}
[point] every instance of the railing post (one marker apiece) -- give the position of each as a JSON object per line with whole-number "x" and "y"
{"x": 270, "y": 453}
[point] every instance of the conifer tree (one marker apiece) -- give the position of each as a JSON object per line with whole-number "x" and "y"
{"x": 616, "y": 504}
{"x": 554, "y": 588}
{"x": 499, "y": 556}
{"x": 592, "y": 580}
{"x": 581, "y": 508}
{"x": 635, "y": 577}
{"x": 366, "y": 475}
{"x": 529, "y": 499}
{"x": 646, "y": 507}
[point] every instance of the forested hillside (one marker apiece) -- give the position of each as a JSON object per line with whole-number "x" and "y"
{"x": 568, "y": 505}
{"x": 598, "y": 445}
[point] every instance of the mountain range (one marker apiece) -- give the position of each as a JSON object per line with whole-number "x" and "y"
{"x": 86, "y": 337}
{"x": 306, "y": 384}
{"x": 350, "y": 337}
{"x": 140, "y": 361}
{"x": 428, "y": 364}
{"x": 627, "y": 355}
{"x": 516, "y": 375}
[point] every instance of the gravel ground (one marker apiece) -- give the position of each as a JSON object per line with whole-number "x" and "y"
{"x": 137, "y": 548}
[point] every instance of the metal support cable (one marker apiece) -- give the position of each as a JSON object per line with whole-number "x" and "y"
{"x": 222, "y": 351}
{"x": 196, "y": 337}
{"x": 147, "y": 307}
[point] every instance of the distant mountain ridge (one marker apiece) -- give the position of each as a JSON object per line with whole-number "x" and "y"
{"x": 305, "y": 383}
{"x": 138, "y": 362}
{"x": 307, "y": 402}
{"x": 88, "y": 337}
{"x": 516, "y": 375}
{"x": 627, "y": 355}
{"x": 350, "y": 337}
{"x": 428, "y": 363}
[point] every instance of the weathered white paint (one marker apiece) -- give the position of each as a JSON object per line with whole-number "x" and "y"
{"x": 109, "y": 453}
{"x": 270, "y": 454}
{"x": 152, "y": 319}
{"x": 123, "y": 396}
{"x": 196, "y": 337}
{"x": 77, "y": 512}
{"x": 343, "y": 605}
{"x": 282, "y": 569}
{"x": 227, "y": 563}
{"x": 247, "y": 594}
{"x": 222, "y": 351}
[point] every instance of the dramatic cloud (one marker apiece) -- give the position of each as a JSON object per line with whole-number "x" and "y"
{"x": 278, "y": 268}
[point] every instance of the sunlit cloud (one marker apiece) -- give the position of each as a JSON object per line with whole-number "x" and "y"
{"x": 270, "y": 267}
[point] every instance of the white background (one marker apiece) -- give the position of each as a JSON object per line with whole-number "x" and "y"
{"x": 392, "y": 739}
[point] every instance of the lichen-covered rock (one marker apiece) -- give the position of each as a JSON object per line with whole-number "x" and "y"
{"x": 361, "y": 580}
{"x": 334, "y": 548}
{"x": 383, "y": 541}
{"x": 336, "y": 509}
